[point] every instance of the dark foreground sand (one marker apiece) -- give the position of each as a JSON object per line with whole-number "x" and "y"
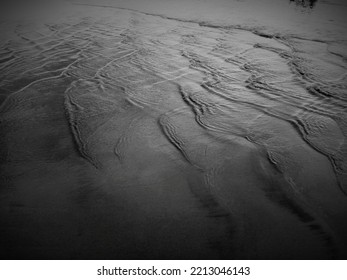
{"x": 126, "y": 135}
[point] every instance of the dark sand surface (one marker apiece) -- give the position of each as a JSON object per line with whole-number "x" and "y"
{"x": 128, "y": 135}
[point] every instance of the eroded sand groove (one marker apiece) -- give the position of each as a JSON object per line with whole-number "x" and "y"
{"x": 156, "y": 137}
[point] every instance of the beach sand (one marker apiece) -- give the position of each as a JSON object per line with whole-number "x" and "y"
{"x": 133, "y": 135}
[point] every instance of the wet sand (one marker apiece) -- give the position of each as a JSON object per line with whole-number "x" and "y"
{"x": 130, "y": 135}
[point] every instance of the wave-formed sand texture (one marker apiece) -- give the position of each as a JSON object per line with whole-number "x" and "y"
{"x": 128, "y": 135}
